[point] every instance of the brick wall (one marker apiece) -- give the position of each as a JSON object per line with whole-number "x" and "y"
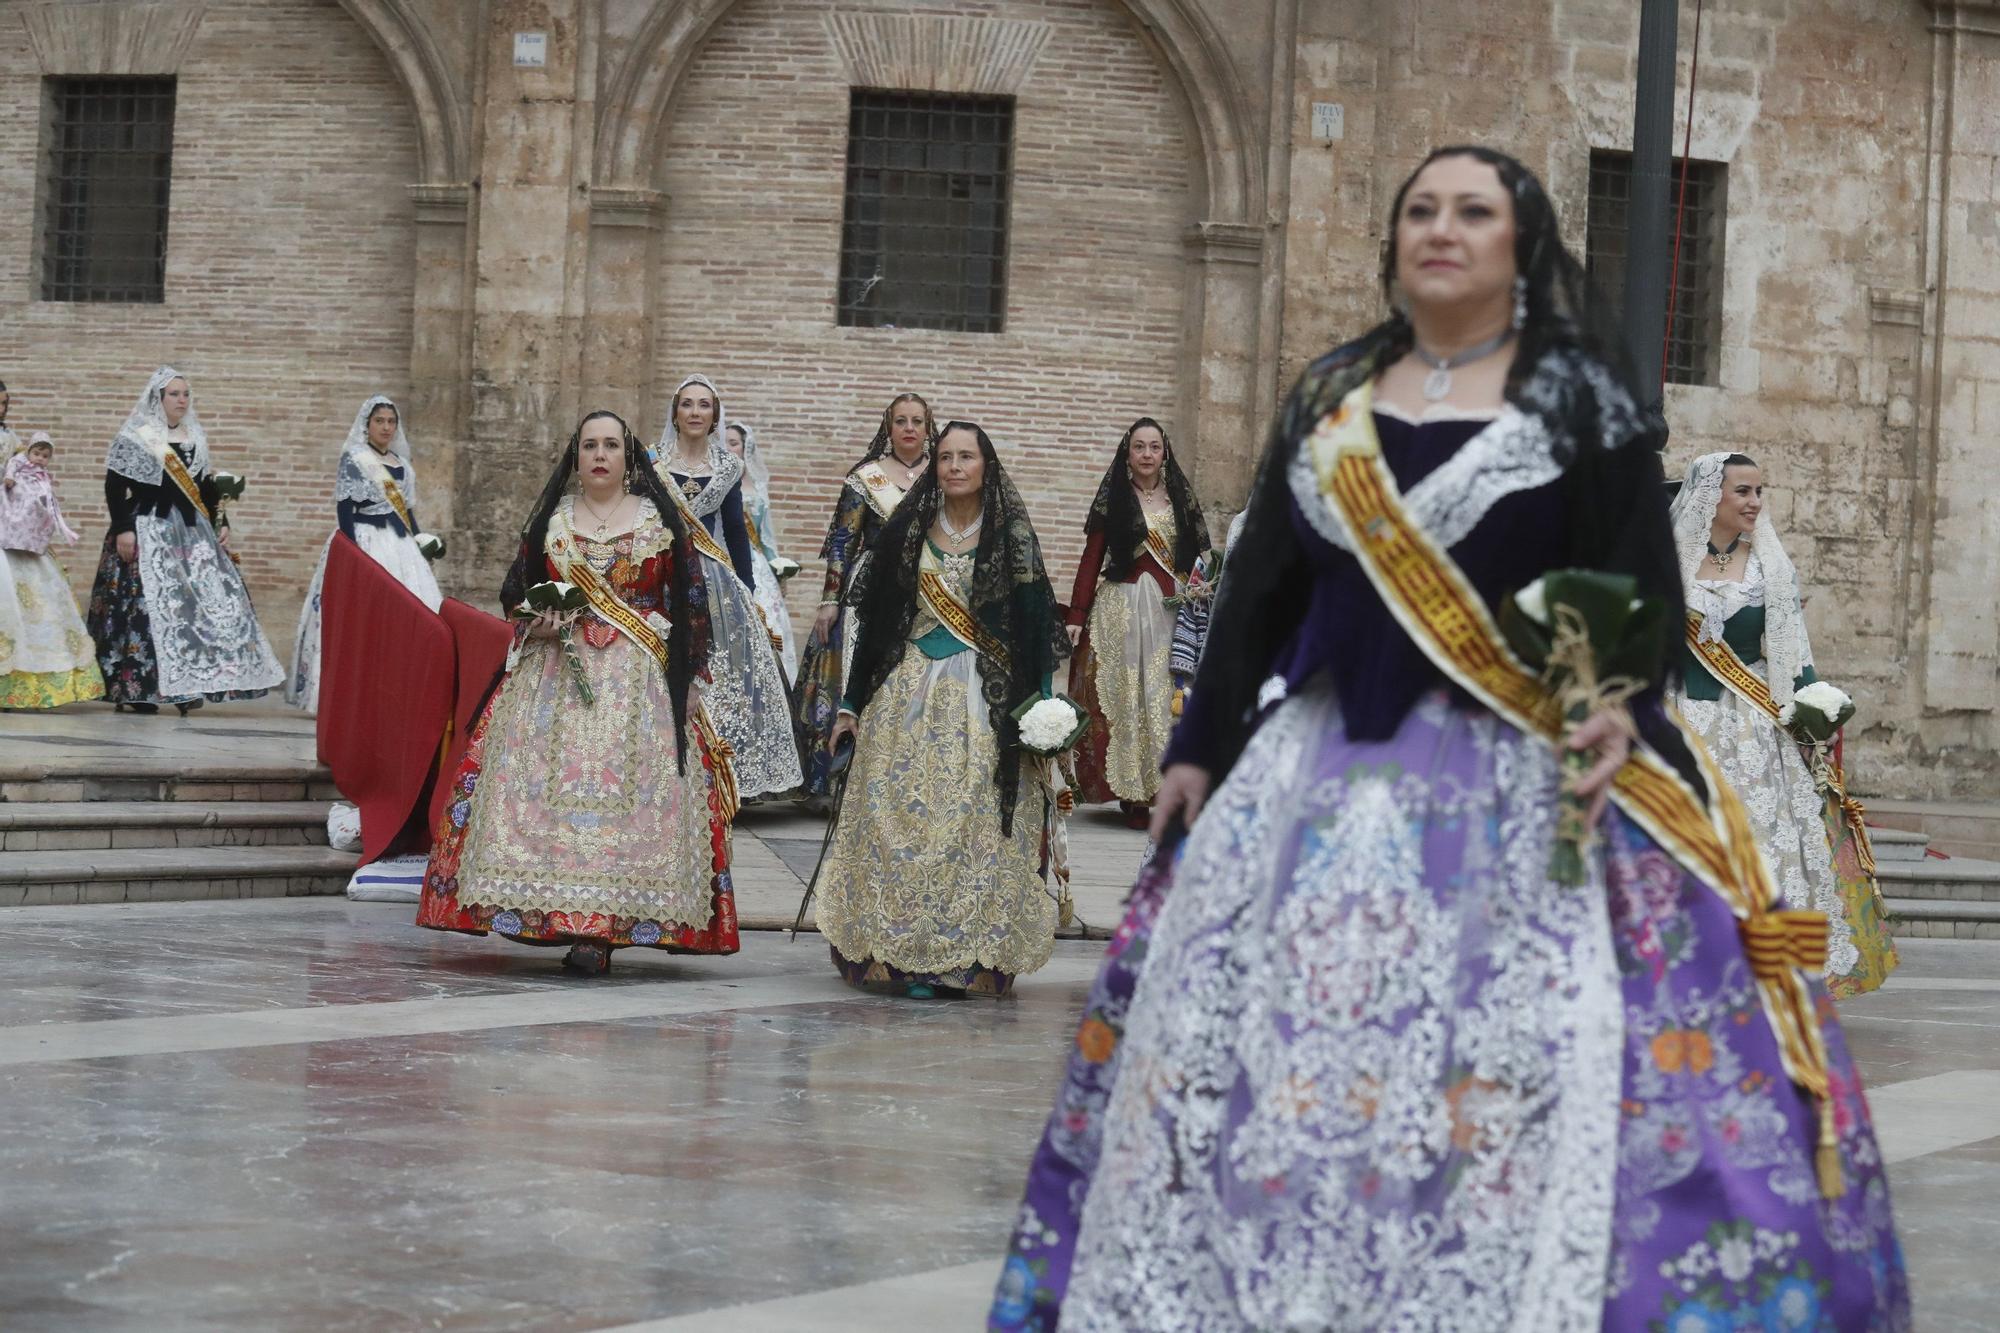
{"x": 754, "y": 168}
{"x": 288, "y": 278}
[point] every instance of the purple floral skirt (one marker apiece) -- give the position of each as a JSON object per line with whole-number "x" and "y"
{"x": 1366, "y": 1067}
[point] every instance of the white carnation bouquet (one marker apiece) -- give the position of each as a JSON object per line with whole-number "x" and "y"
{"x": 1050, "y": 726}
{"x": 783, "y": 567}
{"x": 1816, "y": 713}
{"x": 430, "y": 545}
{"x": 563, "y": 602}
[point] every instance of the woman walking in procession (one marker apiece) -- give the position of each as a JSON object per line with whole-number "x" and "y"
{"x": 893, "y": 462}
{"x": 1745, "y": 658}
{"x": 592, "y": 806}
{"x": 1381, "y": 1068}
{"x": 46, "y": 656}
{"x": 375, "y": 506}
{"x": 169, "y": 612}
{"x": 932, "y": 882}
{"x": 762, "y": 529}
{"x": 1143, "y": 536}
{"x": 746, "y": 695}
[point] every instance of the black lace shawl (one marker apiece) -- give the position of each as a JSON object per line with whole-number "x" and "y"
{"x": 1617, "y": 521}
{"x": 1011, "y": 599}
{"x": 687, "y": 603}
{"x": 880, "y": 444}
{"x": 1115, "y": 511}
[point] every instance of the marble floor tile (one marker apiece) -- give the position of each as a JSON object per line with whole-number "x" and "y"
{"x": 309, "y": 1115}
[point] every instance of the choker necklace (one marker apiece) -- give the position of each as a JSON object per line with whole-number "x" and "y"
{"x": 1437, "y": 384}
{"x": 958, "y": 535}
{"x": 1723, "y": 557}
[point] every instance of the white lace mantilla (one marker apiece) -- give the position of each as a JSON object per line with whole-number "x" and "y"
{"x": 1513, "y": 453}
{"x": 1371, "y": 1078}
{"x": 359, "y": 478}
{"x": 205, "y": 632}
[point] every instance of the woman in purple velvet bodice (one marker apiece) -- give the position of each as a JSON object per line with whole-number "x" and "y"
{"x": 1355, "y": 1060}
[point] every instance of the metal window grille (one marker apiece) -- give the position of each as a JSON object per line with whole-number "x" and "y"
{"x": 924, "y": 237}
{"x": 1694, "y": 341}
{"x": 106, "y": 174}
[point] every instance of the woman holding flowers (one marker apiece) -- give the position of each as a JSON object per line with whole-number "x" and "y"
{"x": 893, "y": 462}
{"x": 169, "y": 612}
{"x": 1142, "y": 539}
{"x": 932, "y": 881}
{"x": 1746, "y": 672}
{"x": 1379, "y": 1068}
{"x": 592, "y": 806}
{"x": 375, "y": 507}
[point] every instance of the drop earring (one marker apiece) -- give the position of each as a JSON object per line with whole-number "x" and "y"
{"x": 1520, "y": 303}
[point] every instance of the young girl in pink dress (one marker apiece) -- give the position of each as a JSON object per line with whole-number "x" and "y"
{"x": 46, "y": 658}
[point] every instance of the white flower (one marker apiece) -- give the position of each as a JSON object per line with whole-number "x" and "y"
{"x": 1048, "y": 724}
{"x": 431, "y": 545}
{"x": 1734, "y": 1258}
{"x": 1534, "y": 602}
{"x": 1828, "y": 699}
{"x": 1788, "y": 713}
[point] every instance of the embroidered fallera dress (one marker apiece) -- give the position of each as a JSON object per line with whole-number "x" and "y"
{"x": 46, "y": 656}
{"x": 176, "y": 624}
{"x": 375, "y": 506}
{"x": 920, "y": 884}
{"x": 867, "y": 498}
{"x": 1356, "y": 1062}
{"x": 571, "y": 821}
{"x": 746, "y": 699}
{"x": 1123, "y": 674}
{"x": 1796, "y": 826}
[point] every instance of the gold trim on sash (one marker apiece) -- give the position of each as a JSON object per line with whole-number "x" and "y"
{"x": 174, "y": 468}
{"x": 698, "y": 533}
{"x": 1156, "y": 545}
{"x": 616, "y": 612}
{"x": 394, "y": 495}
{"x": 882, "y": 494}
{"x": 1728, "y": 668}
{"x": 1435, "y": 603}
{"x": 953, "y": 614}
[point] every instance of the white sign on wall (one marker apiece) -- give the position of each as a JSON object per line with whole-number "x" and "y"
{"x": 1329, "y": 120}
{"x": 531, "y": 50}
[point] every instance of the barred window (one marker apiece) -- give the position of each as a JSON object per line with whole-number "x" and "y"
{"x": 1694, "y": 340}
{"x": 105, "y": 177}
{"x": 924, "y": 238}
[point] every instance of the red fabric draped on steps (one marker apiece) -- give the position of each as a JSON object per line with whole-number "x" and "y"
{"x": 388, "y": 673}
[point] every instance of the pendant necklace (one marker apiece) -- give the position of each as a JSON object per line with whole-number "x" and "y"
{"x": 1723, "y": 557}
{"x": 1437, "y": 384}
{"x": 957, "y": 536}
{"x": 603, "y": 523}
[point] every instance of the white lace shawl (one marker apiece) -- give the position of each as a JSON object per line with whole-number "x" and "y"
{"x": 139, "y": 449}
{"x": 757, "y": 491}
{"x": 361, "y": 470}
{"x": 1787, "y": 651}
{"x": 1512, "y": 453}
{"x": 725, "y": 468}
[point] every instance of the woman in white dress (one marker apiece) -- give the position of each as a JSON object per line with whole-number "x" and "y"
{"x": 1745, "y": 591}
{"x": 375, "y": 504}
{"x": 169, "y": 612}
{"x": 745, "y": 695}
{"x": 771, "y": 568}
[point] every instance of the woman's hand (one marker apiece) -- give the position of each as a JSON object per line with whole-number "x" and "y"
{"x": 845, "y": 727}
{"x": 543, "y": 626}
{"x": 1183, "y": 792}
{"x": 823, "y": 622}
{"x": 1607, "y": 736}
{"x": 222, "y": 538}
{"x": 128, "y": 547}
{"x": 1075, "y": 632}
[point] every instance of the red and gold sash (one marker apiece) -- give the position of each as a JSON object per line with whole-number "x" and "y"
{"x": 394, "y": 495}
{"x": 177, "y": 471}
{"x": 1435, "y": 603}
{"x": 1723, "y": 663}
{"x": 698, "y": 533}
{"x": 618, "y": 613}
{"x": 938, "y": 598}
{"x": 1156, "y": 546}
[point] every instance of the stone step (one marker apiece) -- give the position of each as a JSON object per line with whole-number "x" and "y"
{"x": 1894, "y": 844}
{"x": 168, "y": 874}
{"x": 1960, "y": 828}
{"x": 1939, "y": 918}
{"x": 1956, "y": 879}
{"x": 64, "y": 826}
{"x": 231, "y": 785}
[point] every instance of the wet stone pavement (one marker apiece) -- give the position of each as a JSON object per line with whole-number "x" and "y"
{"x": 308, "y": 1115}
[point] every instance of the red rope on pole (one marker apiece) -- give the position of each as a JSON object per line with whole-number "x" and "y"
{"x": 1680, "y": 204}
